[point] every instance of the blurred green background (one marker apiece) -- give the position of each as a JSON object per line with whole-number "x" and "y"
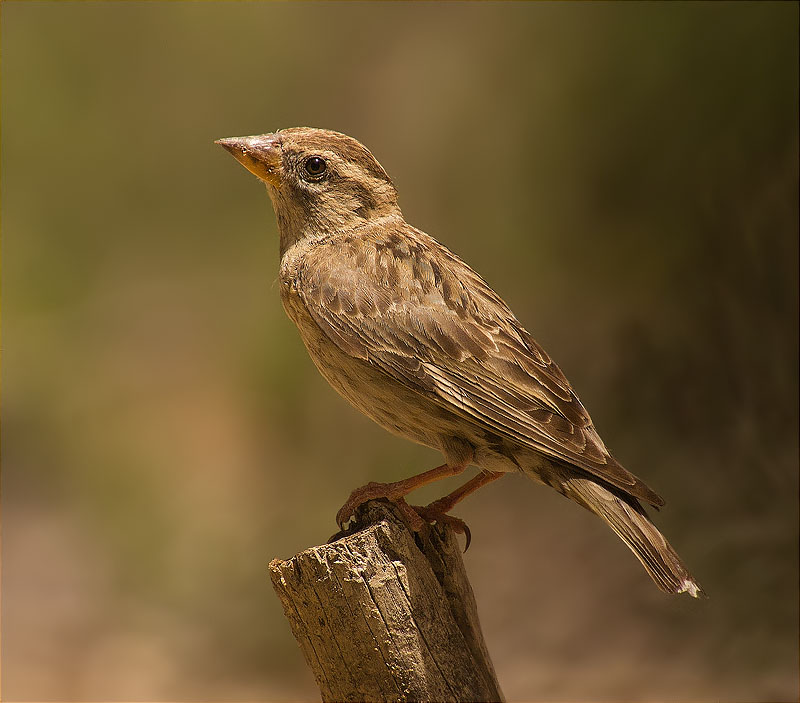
{"x": 625, "y": 175}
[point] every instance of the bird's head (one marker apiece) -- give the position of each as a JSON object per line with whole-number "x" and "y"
{"x": 319, "y": 181}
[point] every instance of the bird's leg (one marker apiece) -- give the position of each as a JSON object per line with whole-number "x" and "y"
{"x": 448, "y": 502}
{"x": 437, "y": 511}
{"x": 395, "y": 492}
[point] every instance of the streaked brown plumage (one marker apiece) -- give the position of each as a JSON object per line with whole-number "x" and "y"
{"x": 418, "y": 341}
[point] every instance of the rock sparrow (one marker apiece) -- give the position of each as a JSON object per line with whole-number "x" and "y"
{"x": 417, "y": 341}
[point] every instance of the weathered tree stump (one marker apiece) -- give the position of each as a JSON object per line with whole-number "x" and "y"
{"x": 383, "y": 614}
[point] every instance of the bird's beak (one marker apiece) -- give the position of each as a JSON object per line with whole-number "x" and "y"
{"x": 261, "y": 155}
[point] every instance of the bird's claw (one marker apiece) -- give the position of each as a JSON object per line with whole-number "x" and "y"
{"x": 357, "y": 498}
{"x": 430, "y": 514}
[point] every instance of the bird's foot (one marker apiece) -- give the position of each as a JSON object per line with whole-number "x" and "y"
{"x": 373, "y": 491}
{"x": 405, "y": 512}
{"x": 416, "y": 517}
{"x": 437, "y": 513}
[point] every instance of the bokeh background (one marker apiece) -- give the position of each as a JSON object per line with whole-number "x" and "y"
{"x": 625, "y": 175}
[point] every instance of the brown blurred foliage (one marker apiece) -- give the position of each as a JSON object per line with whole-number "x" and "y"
{"x": 625, "y": 175}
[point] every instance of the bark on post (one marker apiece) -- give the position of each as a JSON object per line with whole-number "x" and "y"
{"x": 386, "y": 615}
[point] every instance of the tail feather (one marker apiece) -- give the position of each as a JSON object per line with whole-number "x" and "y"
{"x": 628, "y": 519}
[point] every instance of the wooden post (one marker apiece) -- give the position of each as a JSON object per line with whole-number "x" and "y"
{"x": 384, "y": 614}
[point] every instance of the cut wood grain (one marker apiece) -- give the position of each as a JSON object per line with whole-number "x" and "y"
{"x": 384, "y": 614}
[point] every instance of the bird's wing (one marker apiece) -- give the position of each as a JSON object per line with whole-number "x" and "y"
{"x": 410, "y": 307}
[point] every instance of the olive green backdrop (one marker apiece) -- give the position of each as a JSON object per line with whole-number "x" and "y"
{"x": 625, "y": 175}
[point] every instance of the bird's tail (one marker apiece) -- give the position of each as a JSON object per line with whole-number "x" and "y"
{"x": 628, "y": 519}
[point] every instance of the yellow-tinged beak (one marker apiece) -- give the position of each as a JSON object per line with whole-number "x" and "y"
{"x": 260, "y": 154}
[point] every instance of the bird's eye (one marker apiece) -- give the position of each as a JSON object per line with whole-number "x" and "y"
{"x": 315, "y": 167}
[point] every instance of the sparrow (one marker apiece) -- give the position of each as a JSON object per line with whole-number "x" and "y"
{"x": 416, "y": 340}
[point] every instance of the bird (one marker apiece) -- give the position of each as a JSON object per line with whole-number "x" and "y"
{"x": 416, "y": 340}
